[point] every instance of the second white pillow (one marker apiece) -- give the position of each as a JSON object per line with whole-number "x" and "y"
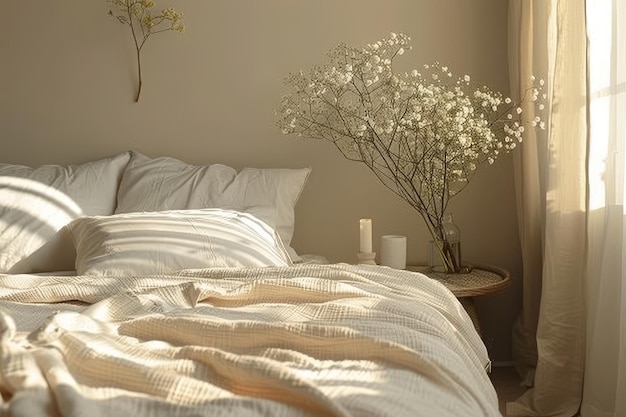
{"x": 165, "y": 183}
{"x": 161, "y": 243}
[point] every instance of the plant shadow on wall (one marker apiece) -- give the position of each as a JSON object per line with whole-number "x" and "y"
{"x": 422, "y": 133}
{"x": 137, "y": 14}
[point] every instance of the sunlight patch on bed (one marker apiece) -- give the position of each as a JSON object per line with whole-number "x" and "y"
{"x": 37, "y": 200}
{"x": 31, "y": 214}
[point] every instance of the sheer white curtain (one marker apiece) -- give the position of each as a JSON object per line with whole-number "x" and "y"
{"x": 604, "y": 391}
{"x": 570, "y": 341}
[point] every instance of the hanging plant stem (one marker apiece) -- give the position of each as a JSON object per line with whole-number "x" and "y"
{"x": 138, "y": 75}
{"x": 138, "y": 86}
{"x": 138, "y": 47}
{"x": 143, "y": 24}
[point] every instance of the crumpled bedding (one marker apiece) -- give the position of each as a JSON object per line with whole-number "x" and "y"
{"x": 304, "y": 340}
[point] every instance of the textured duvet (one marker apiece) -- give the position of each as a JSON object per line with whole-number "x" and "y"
{"x": 307, "y": 340}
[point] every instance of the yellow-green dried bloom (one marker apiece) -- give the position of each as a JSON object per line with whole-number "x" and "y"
{"x": 137, "y": 14}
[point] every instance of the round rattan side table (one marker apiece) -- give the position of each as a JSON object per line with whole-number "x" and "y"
{"x": 480, "y": 280}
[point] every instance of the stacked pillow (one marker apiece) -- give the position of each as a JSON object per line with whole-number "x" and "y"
{"x": 49, "y": 213}
{"x": 163, "y": 242}
{"x": 169, "y": 184}
{"x": 35, "y": 204}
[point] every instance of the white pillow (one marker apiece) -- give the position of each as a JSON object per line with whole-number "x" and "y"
{"x": 161, "y": 243}
{"x": 35, "y": 204}
{"x": 169, "y": 184}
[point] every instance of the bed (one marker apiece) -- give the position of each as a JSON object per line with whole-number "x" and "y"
{"x": 145, "y": 286}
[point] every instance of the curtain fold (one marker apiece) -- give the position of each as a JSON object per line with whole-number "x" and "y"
{"x": 550, "y": 178}
{"x": 530, "y": 190}
{"x": 570, "y": 339}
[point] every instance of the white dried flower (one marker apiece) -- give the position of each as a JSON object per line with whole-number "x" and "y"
{"x": 423, "y": 134}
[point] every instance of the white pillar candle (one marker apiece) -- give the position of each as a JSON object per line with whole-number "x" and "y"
{"x": 393, "y": 251}
{"x": 365, "y": 242}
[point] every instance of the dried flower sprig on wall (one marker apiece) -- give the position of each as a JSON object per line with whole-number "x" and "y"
{"x": 143, "y": 23}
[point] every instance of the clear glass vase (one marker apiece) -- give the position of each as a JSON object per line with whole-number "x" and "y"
{"x": 445, "y": 248}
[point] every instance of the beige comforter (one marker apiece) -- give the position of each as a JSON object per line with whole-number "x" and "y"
{"x": 331, "y": 340}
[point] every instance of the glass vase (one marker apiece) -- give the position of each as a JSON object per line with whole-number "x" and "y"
{"x": 445, "y": 248}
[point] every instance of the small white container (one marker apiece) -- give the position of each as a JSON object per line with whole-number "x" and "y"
{"x": 393, "y": 251}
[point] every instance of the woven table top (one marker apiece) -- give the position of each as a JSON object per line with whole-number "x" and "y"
{"x": 480, "y": 280}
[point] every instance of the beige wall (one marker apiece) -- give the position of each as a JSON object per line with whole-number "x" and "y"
{"x": 67, "y": 84}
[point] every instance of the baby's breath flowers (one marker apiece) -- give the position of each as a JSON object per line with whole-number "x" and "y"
{"x": 143, "y": 24}
{"x": 422, "y": 133}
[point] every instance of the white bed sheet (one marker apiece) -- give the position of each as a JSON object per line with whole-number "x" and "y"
{"x": 311, "y": 339}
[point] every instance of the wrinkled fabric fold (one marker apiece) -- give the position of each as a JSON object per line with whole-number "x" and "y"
{"x": 338, "y": 340}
